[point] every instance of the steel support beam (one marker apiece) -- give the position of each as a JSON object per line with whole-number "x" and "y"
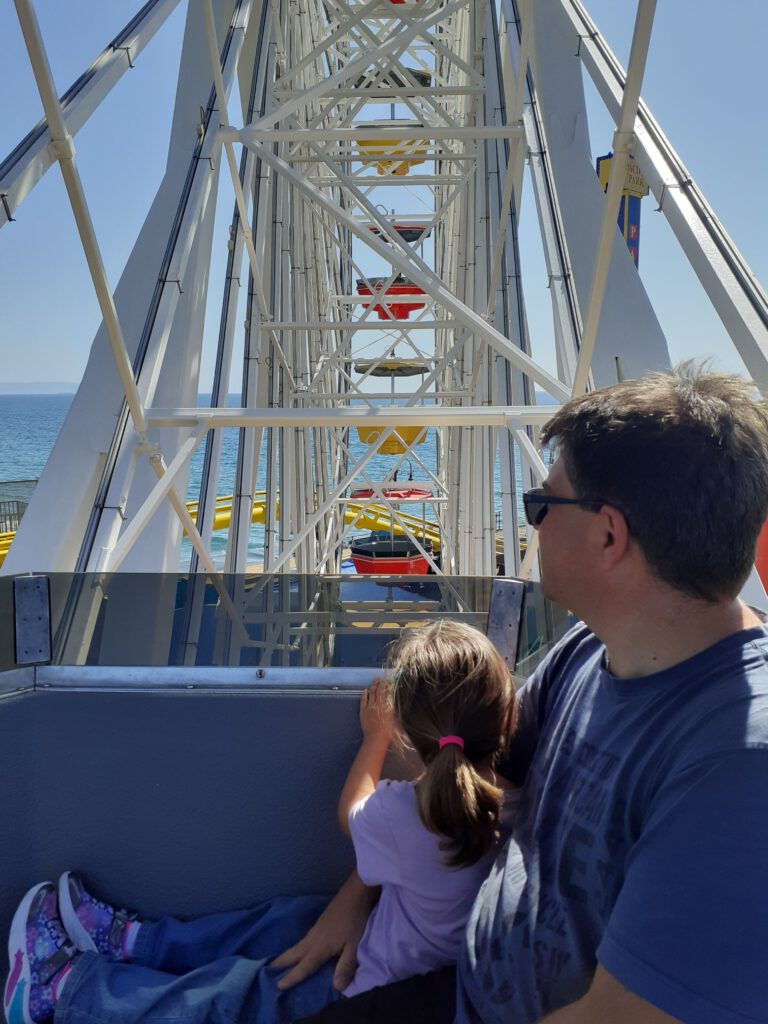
{"x": 30, "y": 159}
{"x": 729, "y": 283}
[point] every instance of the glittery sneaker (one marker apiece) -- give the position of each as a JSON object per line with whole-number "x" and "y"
{"x": 40, "y": 954}
{"x": 93, "y": 925}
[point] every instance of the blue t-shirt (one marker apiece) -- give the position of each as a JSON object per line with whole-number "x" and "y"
{"x": 641, "y": 841}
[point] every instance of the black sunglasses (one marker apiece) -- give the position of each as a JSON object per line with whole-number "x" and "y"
{"x": 536, "y": 503}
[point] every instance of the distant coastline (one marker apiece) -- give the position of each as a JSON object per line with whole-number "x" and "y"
{"x": 39, "y": 387}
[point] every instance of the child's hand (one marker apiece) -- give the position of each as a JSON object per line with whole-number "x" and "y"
{"x": 377, "y": 719}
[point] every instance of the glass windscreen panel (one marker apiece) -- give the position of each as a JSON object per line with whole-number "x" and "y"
{"x": 263, "y": 620}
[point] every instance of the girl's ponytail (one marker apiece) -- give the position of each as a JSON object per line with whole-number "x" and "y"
{"x": 450, "y": 681}
{"x": 457, "y": 802}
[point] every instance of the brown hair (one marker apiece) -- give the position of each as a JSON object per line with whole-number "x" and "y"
{"x": 684, "y": 456}
{"x": 449, "y": 680}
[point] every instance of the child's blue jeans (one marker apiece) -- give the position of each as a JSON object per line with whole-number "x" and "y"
{"x": 210, "y": 970}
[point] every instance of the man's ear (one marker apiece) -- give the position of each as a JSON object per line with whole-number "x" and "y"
{"x": 614, "y": 533}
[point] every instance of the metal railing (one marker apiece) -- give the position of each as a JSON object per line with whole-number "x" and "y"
{"x": 10, "y": 514}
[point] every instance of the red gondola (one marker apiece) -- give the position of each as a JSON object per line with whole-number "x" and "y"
{"x": 395, "y": 556}
{"x": 401, "y": 286}
{"x": 394, "y": 493}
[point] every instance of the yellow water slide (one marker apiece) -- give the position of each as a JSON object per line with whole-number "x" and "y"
{"x": 372, "y": 517}
{"x": 356, "y": 513}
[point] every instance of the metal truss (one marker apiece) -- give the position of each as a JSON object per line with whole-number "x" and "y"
{"x": 377, "y": 177}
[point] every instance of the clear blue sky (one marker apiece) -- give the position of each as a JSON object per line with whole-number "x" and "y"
{"x": 706, "y": 82}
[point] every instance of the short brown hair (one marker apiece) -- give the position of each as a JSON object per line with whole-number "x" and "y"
{"x": 449, "y": 680}
{"x": 684, "y": 456}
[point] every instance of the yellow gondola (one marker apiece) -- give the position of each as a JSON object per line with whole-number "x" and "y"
{"x": 398, "y": 442}
{"x": 401, "y": 155}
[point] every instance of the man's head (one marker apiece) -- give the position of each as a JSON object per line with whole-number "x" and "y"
{"x": 684, "y": 458}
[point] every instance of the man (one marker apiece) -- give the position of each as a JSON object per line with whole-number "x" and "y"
{"x": 634, "y": 889}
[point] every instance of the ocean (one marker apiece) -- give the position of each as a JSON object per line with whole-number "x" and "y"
{"x": 29, "y": 426}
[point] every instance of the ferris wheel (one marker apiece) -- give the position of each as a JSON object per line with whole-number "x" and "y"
{"x": 372, "y": 292}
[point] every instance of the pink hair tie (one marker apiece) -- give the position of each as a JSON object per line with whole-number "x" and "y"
{"x": 444, "y": 741}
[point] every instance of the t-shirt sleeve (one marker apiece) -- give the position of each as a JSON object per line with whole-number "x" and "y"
{"x": 689, "y": 930}
{"x": 373, "y": 838}
{"x": 514, "y": 763}
{"x": 530, "y": 700}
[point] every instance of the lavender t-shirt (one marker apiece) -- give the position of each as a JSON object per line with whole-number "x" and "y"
{"x": 418, "y": 923}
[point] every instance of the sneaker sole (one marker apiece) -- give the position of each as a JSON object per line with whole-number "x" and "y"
{"x": 16, "y": 997}
{"x": 74, "y": 929}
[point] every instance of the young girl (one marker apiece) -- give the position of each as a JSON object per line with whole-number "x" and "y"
{"x": 428, "y": 843}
